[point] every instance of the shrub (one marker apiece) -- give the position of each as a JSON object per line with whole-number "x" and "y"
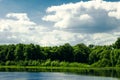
{"x": 55, "y": 63}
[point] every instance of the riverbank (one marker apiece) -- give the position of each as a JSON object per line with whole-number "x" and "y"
{"x": 113, "y": 71}
{"x": 53, "y": 67}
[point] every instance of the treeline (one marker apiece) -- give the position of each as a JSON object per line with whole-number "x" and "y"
{"x": 28, "y": 54}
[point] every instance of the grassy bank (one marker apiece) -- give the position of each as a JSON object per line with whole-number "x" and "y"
{"x": 46, "y": 63}
{"x": 60, "y": 67}
{"x": 106, "y": 71}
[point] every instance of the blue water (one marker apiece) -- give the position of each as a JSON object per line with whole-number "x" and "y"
{"x": 48, "y": 76}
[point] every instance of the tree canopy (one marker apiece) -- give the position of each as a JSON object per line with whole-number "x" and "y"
{"x": 95, "y": 55}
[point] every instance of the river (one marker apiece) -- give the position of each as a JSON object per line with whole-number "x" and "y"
{"x": 8, "y": 74}
{"x": 48, "y": 76}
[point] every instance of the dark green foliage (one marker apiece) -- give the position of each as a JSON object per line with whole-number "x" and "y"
{"x": 30, "y": 52}
{"x": 19, "y": 52}
{"x": 102, "y": 63}
{"x": 3, "y": 52}
{"x": 81, "y": 53}
{"x": 64, "y": 55}
{"x": 117, "y": 43}
{"x": 10, "y": 53}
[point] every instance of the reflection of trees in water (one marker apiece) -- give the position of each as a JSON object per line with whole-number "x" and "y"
{"x": 105, "y": 73}
{"x": 90, "y": 72}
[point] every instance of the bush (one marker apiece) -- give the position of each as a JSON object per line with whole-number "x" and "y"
{"x": 47, "y": 63}
{"x": 55, "y": 63}
{"x": 64, "y": 64}
{"x": 2, "y": 63}
{"x": 7, "y": 63}
{"x": 102, "y": 63}
{"x": 35, "y": 63}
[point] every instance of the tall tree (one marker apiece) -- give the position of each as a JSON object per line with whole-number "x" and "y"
{"x": 65, "y": 52}
{"x": 81, "y": 53}
{"x": 18, "y": 53}
{"x": 3, "y": 52}
{"x": 10, "y": 53}
{"x": 117, "y": 43}
{"x": 38, "y": 53}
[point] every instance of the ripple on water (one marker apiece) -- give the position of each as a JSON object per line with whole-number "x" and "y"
{"x": 48, "y": 76}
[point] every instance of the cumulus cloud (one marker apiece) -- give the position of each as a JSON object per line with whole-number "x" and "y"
{"x": 85, "y": 17}
{"x": 22, "y": 24}
{"x": 90, "y": 22}
{"x": 18, "y": 28}
{"x": 20, "y": 16}
{"x": 115, "y": 13}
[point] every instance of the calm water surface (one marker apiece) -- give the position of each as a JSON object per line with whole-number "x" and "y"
{"x": 49, "y": 76}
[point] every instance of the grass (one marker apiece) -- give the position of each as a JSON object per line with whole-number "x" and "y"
{"x": 41, "y": 67}
{"x": 50, "y": 67}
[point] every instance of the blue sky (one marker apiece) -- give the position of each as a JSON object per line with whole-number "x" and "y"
{"x": 34, "y": 8}
{"x": 55, "y": 22}
{"x": 31, "y": 7}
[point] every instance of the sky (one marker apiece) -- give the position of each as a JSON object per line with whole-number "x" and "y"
{"x": 56, "y": 22}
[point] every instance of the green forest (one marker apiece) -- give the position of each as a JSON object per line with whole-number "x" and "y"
{"x": 66, "y": 55}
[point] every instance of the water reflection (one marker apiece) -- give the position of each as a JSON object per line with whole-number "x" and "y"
{"x": 78, "y": 73}
{"x": 48, "y": 76}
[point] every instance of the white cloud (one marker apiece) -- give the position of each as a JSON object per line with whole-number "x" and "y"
{"x": 18, "y": 28}
{"x": 57, "y": 37}
{"x": 20, "y": 16}
{"x": 90, "y": 22}
{"x": 22, "y": 24}
{"x": 85, "y": 17}
{"x": 116, "y": 12}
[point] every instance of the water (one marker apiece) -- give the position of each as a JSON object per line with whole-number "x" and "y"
{"x": 49, "y": 76}
{"x": 59, "y": 74}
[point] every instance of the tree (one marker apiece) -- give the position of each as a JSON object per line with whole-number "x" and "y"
{"x": 38, "y": 53}
{"x": 94, "y": 56}
{"x": 52, "y": 53}
{"x": 81, "y": 53}
{"x": 47, "y": 52}
{"x": 10, "y": 53}
{"x": 65, "y": 52}
{"x": 29, "y": 52}
{"x": 117, "y": 43}
{"x": 18, "y": 53}
{"x": 3, "y": 52}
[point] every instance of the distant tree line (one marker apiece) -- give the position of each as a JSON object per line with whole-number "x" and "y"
{"x": 98, "y": 56}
